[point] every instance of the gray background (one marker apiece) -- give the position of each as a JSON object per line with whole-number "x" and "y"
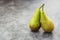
{"x": 16, "y": 14}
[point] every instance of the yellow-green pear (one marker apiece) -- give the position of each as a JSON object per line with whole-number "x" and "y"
{"x": 46, "y": 23}
{"x": 34, "y": 23}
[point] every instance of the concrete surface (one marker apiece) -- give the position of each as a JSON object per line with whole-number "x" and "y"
{"x": 15, "y": 16}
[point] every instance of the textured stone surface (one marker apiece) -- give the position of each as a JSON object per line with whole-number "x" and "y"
{"x": 15, "y": 16}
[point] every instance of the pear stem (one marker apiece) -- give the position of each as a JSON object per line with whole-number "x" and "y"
{"x": 42, "y": 6}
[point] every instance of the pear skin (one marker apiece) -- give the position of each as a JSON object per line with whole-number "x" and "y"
{"x": 46, "y": 23}
{"x": 34, "y": 23}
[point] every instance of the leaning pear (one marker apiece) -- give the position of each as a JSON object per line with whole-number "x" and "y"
{"x": 46, "y": 23}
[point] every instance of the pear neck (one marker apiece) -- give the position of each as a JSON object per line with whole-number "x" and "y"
{"x": 44, "y": 15}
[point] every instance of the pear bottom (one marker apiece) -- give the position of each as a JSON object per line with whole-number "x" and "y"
{"x": 49, "y": 28}
{"x": 34, "y": 28}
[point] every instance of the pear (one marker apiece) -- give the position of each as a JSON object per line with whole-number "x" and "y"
{"x": 34, "y": 23}
{"x": 46, "y": 23}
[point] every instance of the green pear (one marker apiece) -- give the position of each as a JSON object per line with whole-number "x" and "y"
{"x": 46, "y": 23}
{"x": 34, "y": 23}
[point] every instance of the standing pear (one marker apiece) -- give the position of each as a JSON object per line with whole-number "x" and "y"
{"x": 34, "y": 23}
